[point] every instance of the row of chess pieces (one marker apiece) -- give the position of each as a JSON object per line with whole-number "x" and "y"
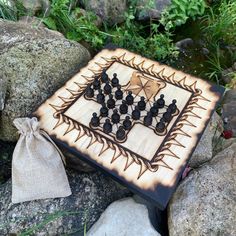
{"x": 103, "y": 87}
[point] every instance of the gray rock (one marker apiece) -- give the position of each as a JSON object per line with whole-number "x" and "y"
{"x": 124, "y": 217}
{"x": 91, "y": 194}
{"x": 228, "y": 76}
{"x": 229, "y": 110}
{"x": 204, "y": 149}
{"x": 145, "y": 10}
{"x": 35, "y": 6}
{"x": 205, "y": 202}
{"x": 35, "y": 63}
{"x": 110, "y": 11}
{"x": 184, "y": 43}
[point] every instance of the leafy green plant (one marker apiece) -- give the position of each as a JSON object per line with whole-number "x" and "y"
{"x": 215, "y": 65}
{"x": 219, "y": 24}
{"x": 74, "y": 24}
{"x": 180, "y": 11}
{"x": 150, "y": 43}
{"x": 7, "y": 12}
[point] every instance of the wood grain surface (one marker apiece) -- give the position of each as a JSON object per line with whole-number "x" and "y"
{"x": 150, "y": 163}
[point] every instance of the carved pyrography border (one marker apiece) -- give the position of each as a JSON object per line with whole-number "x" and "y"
{"x": 170, "y": 140}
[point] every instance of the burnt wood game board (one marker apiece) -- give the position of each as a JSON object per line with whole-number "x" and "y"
{"x": 134, "y": 118}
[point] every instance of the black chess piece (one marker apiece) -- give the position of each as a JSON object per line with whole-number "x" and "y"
{"x": 148, "y": 119}
{"x": 107, "y": 88}
{"x": 160, "y": 126}
{"x": 95, "y": 120}
{"x": 142, "y": 104}
{"x": 89, "y": 92}
{"x": 123, "y": 107}
{"x": 115, "y": 117}
{"x": 111, "y": 102}
{"x": 100, "y": 97}
{"x": 96, "y": 83}
{"x": 136, "y": 113}
{"x": 173, "y": 106}
{"x": 104, "y": 110}
{"x": 107, "y": 126}
{"x": 154, "y": 110}
{"x": 118, "y": 93}
{"x": 167, "y": 116}
{"x": 127, "y": 123}
{"x": 104, "y": 76}
{"x": 129, "y": 98}
{"x": 161, "y": 101}
{"x": 120, "y": 133}
{"x": 114, "y": 81}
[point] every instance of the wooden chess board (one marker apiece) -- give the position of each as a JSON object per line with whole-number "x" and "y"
{"x": 134, "y": 118}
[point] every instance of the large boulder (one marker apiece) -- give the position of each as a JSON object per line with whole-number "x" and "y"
{"x": 205, "y": 202}
{"x": 147, "y": 9}
{"x": 111, "y": 11}
{"x": 204, "y": 149}
{"x": 124, "y": 217}
{"x": 34, "y": 62}
{"x": 91, "y": 194}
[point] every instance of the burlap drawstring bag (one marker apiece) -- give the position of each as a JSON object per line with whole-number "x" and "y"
{"x": 37, "y": 168}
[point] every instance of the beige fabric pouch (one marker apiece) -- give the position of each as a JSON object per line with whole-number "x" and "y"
{"x": 37, "y": 168}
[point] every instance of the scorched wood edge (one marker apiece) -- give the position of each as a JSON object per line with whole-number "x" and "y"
{"x": 149, "y": 152}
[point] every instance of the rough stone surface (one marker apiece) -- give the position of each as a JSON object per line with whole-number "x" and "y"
{"x": 228, "y": 76}
{"x": 110, "y": 11}
{"x": 205, "y": 202}
{"x": 35, "y": 6}
{"x": 154, "y": 11}
{"x": 35, "y": 63}
{"x": 204, "y": 149}
{"x": 91, "y": 194}
{"x": 124, "y": 217}
{"x": 229, "y": 110}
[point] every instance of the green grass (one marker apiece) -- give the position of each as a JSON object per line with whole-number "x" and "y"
{"x": 220, "y": 23}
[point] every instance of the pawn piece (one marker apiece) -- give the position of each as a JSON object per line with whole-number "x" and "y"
{"x": 173, "y": 106}
{"x": 136, "y": 113}
{"x": 123, "y": 107}
{"x": 107, "y": 88}
{"x": 129, "y": 98}
{"x": 127, "y": 123}
{"x": 104, "y": 76}
{"x": 114, "y": 81}
{"x": 160, "y": 126}
{"x": 89, "y": 92}
{"x": 148, "y": 119}
{"x": 154, "y": 110}
{"x": 161, "y": 101}
{"x": 118, "y": 93}
{"x": 167, "y": 116}
{"x": 95, "y": 120}
{"x": 120, "y": 133}
{"x": 115, "y": 117}
{"x": 142, "y": 104}
{"x": 96, "y": 83}
{"x": 107, "y": 127}
{"x": 100, "y": 97}
{"x": 111, "y": 102}
{"x": 104, "y": 110}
